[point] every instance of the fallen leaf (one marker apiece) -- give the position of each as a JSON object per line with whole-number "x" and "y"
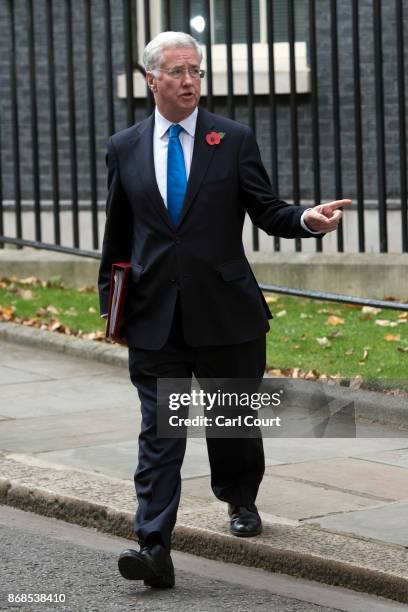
{"x": 52, "y": 309}
{"x": 270, "y": 299}
{"x": 281, "y": 313}
{"x": 323, "y": 311}
{"x": 349, "y": 352}
{"x": 370, "y": 310}
{"x": 7, "y": 312}
{"x": 333, "y": 320}
{"x": 87, "y": 289}
{"x": 55, "y": 325}
{"x": 402, "y": 349}
{"x": 355, "y": 382}
{"x": 26, "y": 294}
{"x": 275, "y": 372}
{"x": 392, "y": 338}
{"x": 382, "y": 322}
{"x": 98, "y": 335}
{"x": 30, "y": 280}
{"x": 304, "y": 315}
{"x": 365, "y": 354}
{"x": 92, "y": 310}
{"x": 323, "y": 342}
{"x": 312, "y": 375}
{"x": 336, "y": 377}
{"x": 403, "y": 316}
{"x": 296, "y": 347}
{"x": 30, "y": 322}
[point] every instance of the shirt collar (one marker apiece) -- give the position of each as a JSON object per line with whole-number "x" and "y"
{"x": 162, "y": 124}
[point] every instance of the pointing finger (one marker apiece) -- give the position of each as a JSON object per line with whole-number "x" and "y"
{"x": 338, "y": 204}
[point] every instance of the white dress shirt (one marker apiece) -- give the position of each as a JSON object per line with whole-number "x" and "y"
{"x": 161, "y": 142}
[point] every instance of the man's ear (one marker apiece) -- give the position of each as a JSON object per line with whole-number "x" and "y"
{"x": 151, "y": 82}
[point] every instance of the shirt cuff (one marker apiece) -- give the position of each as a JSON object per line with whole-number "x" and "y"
{"x": 304, "y": 226}
{"x": 104, "y": 316}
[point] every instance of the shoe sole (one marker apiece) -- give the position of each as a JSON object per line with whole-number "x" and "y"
{"x": 131, "y": 568}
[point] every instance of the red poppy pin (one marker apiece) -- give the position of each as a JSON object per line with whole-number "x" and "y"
{"x": 214, "y": 138}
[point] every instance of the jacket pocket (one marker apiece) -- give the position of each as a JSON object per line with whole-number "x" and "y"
{"x": 233, "y": 270}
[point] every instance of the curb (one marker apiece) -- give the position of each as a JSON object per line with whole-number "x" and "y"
{"x": 371, "y": 405}
{"x": 60, "y": 343}
{"x": 205, "y": 543}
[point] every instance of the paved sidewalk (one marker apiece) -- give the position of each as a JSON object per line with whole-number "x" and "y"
{"x": 334, "y": 509}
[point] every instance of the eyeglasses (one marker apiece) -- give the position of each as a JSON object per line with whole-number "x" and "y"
{"x": 178, "y": 73}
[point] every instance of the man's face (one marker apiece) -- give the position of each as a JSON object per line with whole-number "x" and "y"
{"x": 176, "y": 98}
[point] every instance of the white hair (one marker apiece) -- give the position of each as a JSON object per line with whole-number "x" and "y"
{"x": 152, "y": 54}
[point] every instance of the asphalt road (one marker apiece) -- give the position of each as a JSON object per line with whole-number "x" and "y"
{"x": 44, "y": 556}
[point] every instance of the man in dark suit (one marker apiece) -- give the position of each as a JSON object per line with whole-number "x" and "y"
{"x": 179, "y": 186}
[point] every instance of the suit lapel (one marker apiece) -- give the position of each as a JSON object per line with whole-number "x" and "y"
{"x": 144, "y": 159}
{"x": 202, "y": 155}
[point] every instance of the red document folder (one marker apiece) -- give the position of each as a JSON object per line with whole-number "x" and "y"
{"x": 117, "y": 296}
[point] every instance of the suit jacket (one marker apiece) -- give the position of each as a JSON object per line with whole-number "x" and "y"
{"x": 202, "y": 259}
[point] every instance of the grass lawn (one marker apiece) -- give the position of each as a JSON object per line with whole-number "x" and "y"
{"x": 338, "y": 339}
{"x": 51, "y": 305}
{"x": 319, "y": 338}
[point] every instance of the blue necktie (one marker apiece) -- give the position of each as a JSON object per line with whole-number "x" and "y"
{"x": 176, "y": 174}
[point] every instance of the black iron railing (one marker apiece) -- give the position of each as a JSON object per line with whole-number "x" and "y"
{"x": 61, "y": 61}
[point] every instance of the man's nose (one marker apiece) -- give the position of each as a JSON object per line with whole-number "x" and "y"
{"x": 187, "y": 77}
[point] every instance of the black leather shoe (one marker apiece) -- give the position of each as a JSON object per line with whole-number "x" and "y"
{"x": 244, "y": 523}
{"x": 152, "y": 564}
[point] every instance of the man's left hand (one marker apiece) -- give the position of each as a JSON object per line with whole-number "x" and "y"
{"x": 325, "y": 217}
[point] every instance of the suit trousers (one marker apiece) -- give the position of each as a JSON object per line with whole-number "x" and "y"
{"x": 237, "y": 464}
